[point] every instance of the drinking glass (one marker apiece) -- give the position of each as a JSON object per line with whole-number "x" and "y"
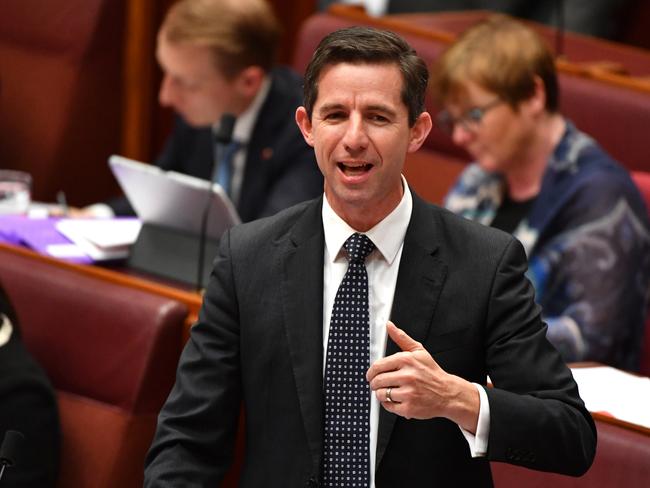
{"x": 15, "y": 192}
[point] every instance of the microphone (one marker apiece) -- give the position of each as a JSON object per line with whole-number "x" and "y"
{"x": 9, "y": 449}
{"x": 222, "y": 138}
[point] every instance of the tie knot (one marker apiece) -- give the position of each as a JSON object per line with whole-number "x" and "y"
{"x": 358, "y": 247}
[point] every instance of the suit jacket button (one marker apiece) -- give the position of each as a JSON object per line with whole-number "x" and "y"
{"x": 313, "y": 482}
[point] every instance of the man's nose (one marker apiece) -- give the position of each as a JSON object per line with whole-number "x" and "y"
{"x": 356, "y": 137}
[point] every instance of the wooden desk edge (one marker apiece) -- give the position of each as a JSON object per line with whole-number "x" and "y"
{"x": 190, "y": 299}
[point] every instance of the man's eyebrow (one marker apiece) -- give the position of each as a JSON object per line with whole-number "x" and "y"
{"x": 381, "y": 108}
{"x": 328, "y": 107}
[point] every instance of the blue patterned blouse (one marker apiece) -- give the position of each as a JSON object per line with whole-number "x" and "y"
{"x": 587, "y": 238}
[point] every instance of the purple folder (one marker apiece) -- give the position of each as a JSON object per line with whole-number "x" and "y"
{"x": 36, "y": 234}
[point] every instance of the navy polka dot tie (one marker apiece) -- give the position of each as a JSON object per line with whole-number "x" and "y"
{"x": 346, "y": 461}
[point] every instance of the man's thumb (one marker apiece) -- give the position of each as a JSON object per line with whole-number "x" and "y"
{"x": 401, "y": 338}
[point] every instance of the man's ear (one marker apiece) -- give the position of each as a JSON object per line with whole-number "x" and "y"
{"x": 249, "y": 81}
{"x": 419, "y": 131}
{"x": 304, "y": 123}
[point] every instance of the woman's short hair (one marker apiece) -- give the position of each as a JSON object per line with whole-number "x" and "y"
{"x": 241, "y": 33}
{"x": 501, "y": 55}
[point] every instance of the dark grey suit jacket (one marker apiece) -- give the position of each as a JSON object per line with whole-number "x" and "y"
{"x": 461, "y": 291}
{"x": 280, "y": 170}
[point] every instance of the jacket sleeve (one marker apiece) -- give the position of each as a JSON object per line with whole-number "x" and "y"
{"x": 537, "y": 418}
{"x": 198, "y": 423}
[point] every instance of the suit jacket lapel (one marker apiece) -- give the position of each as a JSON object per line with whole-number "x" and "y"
{"x": 302, "y": 301}
{"x": 419, "y": 281}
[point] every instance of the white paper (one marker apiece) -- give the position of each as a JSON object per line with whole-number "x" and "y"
{"x": 101, "y": 239}
{"x": 623, "y": 395}
{"x": 64, "y": 251}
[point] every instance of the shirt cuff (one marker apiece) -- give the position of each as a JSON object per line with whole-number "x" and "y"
{"x": 478, "y": 442}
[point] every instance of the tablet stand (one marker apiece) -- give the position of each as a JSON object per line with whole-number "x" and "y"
{"x": 171, "y": 253}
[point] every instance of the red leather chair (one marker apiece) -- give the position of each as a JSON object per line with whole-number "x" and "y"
{"x": 111, "y": 352}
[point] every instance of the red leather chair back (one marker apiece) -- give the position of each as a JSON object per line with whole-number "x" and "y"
{"x": 61, "y": 94}
{"x": 111, "y": 352}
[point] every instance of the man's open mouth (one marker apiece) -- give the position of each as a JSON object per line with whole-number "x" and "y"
{"x": 354, "y": 169}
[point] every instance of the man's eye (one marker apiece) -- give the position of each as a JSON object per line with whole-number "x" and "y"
{"x": 378, "y": 118}
{"x": 334, "y": 116}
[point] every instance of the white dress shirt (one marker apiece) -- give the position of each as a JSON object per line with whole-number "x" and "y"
{"x": 382, "y": 266}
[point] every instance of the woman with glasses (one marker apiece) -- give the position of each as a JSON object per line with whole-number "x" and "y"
{"x": 576, "y": 211}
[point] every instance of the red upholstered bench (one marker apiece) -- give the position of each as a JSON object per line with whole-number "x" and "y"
{"x": 111, "y": 352}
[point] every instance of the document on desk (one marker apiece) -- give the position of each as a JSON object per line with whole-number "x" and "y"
{"x": 609, "y": 390}
{"x": 101, "y": 239}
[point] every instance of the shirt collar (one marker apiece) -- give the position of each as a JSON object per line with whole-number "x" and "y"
{"x": 245, "y": 123}
{"x": 387, "y": 235}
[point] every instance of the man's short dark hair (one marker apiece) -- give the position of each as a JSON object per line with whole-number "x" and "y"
{"x": 365, "y": 45}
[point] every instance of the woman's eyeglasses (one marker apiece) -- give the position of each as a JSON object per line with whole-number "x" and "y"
{"x": 470, "y": 119}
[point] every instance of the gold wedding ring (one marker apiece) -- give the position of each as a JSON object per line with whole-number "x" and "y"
{"x": 388, "y": 398}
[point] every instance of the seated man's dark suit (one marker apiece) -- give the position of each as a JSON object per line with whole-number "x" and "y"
{"x": 460, "y": 291}
{"x": 28, "y": 405}
{"x": 280, "y": 167}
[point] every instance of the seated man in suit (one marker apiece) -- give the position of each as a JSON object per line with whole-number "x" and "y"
{"x": 218, "y": 57}
{"x": 380, "y": 383}
{"x": 577, "y": 212}
{"x": 27, "y": 405}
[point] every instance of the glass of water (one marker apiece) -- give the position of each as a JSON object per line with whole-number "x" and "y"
{"x": 15, "y": 192}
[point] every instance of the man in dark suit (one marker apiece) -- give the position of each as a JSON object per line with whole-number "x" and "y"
{"x": 218, "y": 57}
{"x": 334, "y": 393}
